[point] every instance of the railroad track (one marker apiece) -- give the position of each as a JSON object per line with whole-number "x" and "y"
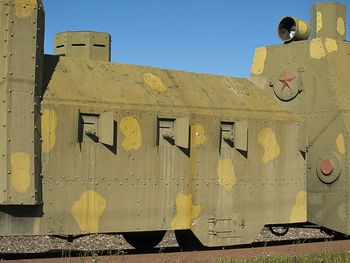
{"x": 174, "y": 253}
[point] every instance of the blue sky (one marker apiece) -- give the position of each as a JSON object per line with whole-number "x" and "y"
{"x": 204, "y": 36}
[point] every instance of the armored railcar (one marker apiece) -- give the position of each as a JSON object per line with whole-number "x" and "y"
{"x": 91, "y": 146}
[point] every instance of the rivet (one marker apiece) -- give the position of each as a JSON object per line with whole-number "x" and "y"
{"x": 9, "y": 139}
{"x": 9, "y": 172}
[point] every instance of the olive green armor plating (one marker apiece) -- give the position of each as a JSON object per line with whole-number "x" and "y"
{"x": 90, "y": 146}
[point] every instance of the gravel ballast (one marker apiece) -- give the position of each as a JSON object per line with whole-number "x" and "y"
{"x": 37, "y": 244}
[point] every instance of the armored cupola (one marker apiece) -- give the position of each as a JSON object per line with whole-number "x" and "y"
{"x": 328, "y": 19}
{"x": 83, "y": 44}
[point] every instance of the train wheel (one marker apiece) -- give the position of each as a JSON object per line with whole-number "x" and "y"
{"x": 279, "y": 231}
{"x": 187, "y": 240}
{"x": 334, "y": 234}
{"x": 144, "y": 240}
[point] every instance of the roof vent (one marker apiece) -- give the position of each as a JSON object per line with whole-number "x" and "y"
{"x": 83, "y": 44}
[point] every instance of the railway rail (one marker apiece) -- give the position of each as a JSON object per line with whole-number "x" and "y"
{"x": 88, "y": 248}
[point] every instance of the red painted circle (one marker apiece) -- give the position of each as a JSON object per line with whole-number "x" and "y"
{"x": 326, "y": 167}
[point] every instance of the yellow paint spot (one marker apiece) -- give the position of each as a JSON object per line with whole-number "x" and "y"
{"x": 319, "y": 21}
{"x": 340, "y": 26}
{"x": 48, "y": 129}
{"x": 154, "y": 83}
{"x": 88, "y": 210}
{"x": 131, "y": 129}
{"x": 299, "y": 209}
{"x": 331, "y": 45}
{"x": 340, "y": 143}
{"x": 25, "y": 8}
{"x": 197, "y": 135}
{"x": 226, "y": 174}
{"x": 267, "y": 139}
{"x": 316, "y": 48}
{"x": 302, "y": 27}
{"x": 185, "y": 212}
{"x": 259, "y": 60}
{"x": 20, "y": 178}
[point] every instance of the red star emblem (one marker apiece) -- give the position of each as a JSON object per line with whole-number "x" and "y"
{"x": 286, "y": 80}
